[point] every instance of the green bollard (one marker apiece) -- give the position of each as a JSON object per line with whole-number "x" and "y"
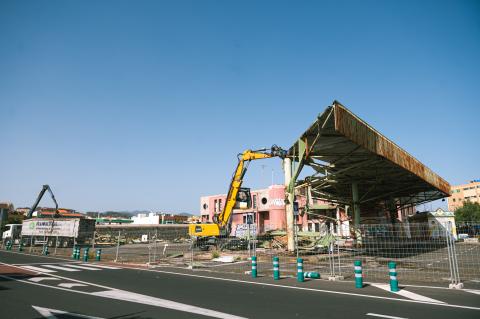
{"x": 20, "y": 247}
{"x": 276, "y": 268}
{"x": 392, "y": 267}
{"x": 45, "y": 250}
{"x": 98, "y": 254}
{"x": 79, "y": 251}
{"x": 312, "y": 274}
{"x": 74, "y": 252}
{"x": 300, "y": 277}
{"x": 358, "y": 274}
{"x": 254, "y": 266}
{"x": 85, "y": 254}
{"x": 8, "y": 246}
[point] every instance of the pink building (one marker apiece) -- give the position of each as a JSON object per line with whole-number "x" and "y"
{"x": 268, "y": 209}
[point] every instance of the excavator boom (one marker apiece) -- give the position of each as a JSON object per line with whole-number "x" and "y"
{"x": 39, "y": 198}
{"x": 222, "y": 221}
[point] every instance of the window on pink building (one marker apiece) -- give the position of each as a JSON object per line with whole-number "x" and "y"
{"x": 215, "y": 206}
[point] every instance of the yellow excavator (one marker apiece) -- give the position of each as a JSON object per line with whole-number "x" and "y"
{"x": 237, "y": 198}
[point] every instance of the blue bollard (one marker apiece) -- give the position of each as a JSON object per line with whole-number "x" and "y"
{"x": 392, "y": 268}
{"x": 300, "y": 277}
{"x": 254, "y": 266}
{"x": 276, "y": 268}
{"x": 358, "y": 274}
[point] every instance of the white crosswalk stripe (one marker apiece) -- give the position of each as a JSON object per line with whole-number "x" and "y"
{"x": 38, "y": 269}
{"x": 100, "y": 266}
{"x": 60, "y": 268}
{"x": 80, "y": 267}
{"x": 69, "y": 267}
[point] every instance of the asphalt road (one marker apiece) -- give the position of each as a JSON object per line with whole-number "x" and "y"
{"x": 38, "y": 287}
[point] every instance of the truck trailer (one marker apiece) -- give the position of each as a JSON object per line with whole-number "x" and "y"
{"x": 59, "y": 232}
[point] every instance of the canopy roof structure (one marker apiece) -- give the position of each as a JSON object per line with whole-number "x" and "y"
{"x": 343, "y": 149}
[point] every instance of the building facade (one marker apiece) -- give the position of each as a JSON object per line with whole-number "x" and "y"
{"x": 462, "y": 193}
{"x": 268, "y": 211}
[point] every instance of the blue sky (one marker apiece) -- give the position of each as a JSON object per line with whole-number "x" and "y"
{"x": 128, "y": 105}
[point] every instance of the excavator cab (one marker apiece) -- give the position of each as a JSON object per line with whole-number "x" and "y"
{"x": 244, "y": 199}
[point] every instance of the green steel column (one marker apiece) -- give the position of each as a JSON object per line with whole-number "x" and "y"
{"x": 276, "y": 268}
{"x": 358, "y": 274}
{"x": 254, "y": 266}
{"x": 300, "y": 277}
{"x": 392, "y": 267}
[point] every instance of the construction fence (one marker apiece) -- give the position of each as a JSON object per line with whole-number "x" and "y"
{"x": 424, "y": 254}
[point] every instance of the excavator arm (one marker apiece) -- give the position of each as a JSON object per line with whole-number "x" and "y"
{"x": 39, "y": 198}
{"x": 222, "y": 221}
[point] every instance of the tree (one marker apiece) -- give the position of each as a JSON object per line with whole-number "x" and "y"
{"x": 469, "y": 212}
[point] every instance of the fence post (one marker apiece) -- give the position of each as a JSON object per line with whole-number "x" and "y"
{"x": 392, "y": 267}
{"x": 56, "y": 245}
{"x": 254, "y": 266}
{"x": 358, "y": 274}
{"x": 276, "y": 268}
{"x": 300, "y": 277}
{"x": 118, "y": 246}
{"x": 452, "y": 259}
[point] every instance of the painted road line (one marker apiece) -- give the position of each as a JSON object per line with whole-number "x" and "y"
{"x": 407, "y": 294}
{"x": 51, "y": 313}
{"x": 344, "y": 293}
{"x": 38, "y": 269}
{"x": 71, "y": 284}
{"x": 118, "y": 294}
{"x": 473, "y": 291}
{"x": 383, "y": 316}
{"x": 164, "y": 303}
{"x": 316, "y": 290}
{"x": 80, "y": 267}
{"x": 38, "y": 279}
{"x": 60, "y": 268}
{"x": 99, "y": 266}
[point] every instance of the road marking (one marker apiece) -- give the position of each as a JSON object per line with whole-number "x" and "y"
{"x": 407, "y": 294}
{"x": 38, "y": 269}
{"x": 309, "y": 289}
{"x": 50, "y": 313}
{"x": 118, "y": 294}
{"x": 71, "y": 284}
{"x": 38, "y": 279}
{"x": 100, "y": 266}
{"x": 60, "y": 268}
{"x": 243, "y": 282}
{"x": 164, "y": 303}
{"x": 80, "y": 267}
{"x": 473, "y": 291}
{"x": 383, "y": 316}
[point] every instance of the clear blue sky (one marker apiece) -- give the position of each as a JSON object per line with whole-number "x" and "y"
{"x": 128, "y": 105}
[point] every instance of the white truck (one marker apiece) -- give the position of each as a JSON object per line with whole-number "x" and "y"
{"x": 59, "y": 232}
{"x": 12, "y": 233}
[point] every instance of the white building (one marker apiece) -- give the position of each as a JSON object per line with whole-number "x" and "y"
{"x": 147, "y": 219}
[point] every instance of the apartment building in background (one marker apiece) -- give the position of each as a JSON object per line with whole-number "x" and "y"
{"x": 462, "y": 193}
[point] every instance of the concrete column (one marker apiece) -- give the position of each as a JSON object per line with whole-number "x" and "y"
{"x": 287, "y": 167}
{"x": 339, "y": 223}
{"x": 356, "y": 205}
{"x": 356, "y": 213}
